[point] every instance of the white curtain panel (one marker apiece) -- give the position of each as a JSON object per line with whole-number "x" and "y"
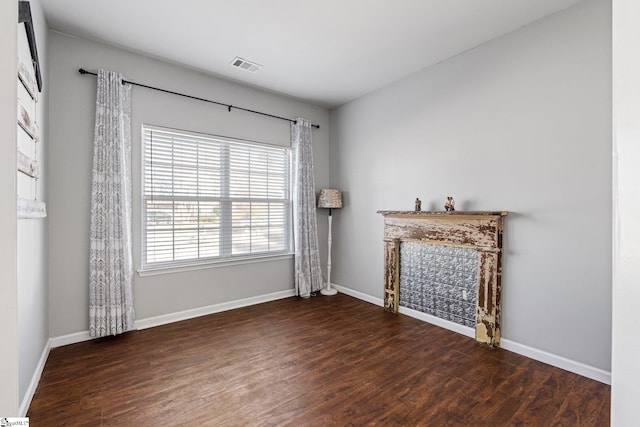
{"x": 110, "y": 264}
{"x": 308, "y": 275}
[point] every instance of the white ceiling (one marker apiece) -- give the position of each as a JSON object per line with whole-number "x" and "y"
{"x": 326, "y": 52}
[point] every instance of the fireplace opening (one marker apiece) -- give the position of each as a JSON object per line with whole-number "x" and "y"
{"x": 439, "y": 280}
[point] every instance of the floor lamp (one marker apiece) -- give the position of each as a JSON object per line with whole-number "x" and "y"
{"x": 329, "y": 199}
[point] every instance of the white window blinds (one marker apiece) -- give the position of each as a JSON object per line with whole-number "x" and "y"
{"x": 208, "y": 198}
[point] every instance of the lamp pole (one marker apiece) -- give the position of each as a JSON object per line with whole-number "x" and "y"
{"x": 329, "y": 290}
{"x": 329, "y": 198}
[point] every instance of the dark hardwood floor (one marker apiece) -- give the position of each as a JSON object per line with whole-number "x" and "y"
{"x": 319, "y": 362}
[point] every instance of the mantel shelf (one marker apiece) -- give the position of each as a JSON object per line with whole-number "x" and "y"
{"x": 443, "y": 213}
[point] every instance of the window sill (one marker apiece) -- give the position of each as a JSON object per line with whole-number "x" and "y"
{"x": 154, "y": 271}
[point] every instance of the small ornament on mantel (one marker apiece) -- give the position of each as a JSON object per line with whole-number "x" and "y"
{"x": 449, "y": 206}
{"x": 418, "y": 205}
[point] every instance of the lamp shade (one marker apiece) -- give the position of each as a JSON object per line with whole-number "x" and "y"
{"x": 330, "y": 199}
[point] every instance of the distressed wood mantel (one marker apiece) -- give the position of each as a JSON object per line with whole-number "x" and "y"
{"x": 481, "y": 230}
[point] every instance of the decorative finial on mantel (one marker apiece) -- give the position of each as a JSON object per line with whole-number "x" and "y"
{"x": 449, "y": 206}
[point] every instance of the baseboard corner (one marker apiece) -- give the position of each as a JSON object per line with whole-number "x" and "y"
{"x": 35, "y": 379}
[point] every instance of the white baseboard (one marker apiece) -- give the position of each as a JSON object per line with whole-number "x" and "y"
{"x": 35, "y": 379}
{"x": 470, "y": 332}
{"x": 446, "y": 324}
{"x": 360, "y": 295}
{"x": 522, "y": 349}
{"x": 210, "y": 309}
{"x": 70, "y": 339}
{"x": 150, "y": 322}
{"x": 557, "y": 361}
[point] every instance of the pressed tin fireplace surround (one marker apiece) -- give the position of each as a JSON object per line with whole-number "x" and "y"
{"x": 447, "y": 264}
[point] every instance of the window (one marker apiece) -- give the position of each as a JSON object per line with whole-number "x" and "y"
{"x": 208, "y": 198}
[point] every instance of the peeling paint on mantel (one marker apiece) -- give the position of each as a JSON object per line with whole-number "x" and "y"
{"x": 481, "y": 230}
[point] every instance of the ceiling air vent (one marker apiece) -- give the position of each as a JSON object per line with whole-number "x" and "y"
{"x": 245, "y": 65}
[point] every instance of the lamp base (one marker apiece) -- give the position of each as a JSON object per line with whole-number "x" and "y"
{"x": 328, "y": 291}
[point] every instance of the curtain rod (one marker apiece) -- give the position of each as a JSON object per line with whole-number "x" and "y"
{"x": 83, "y": 71}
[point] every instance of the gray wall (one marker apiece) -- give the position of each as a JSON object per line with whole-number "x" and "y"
{"x": 71, "y": 127}
{"x": 33, "y": 289}
{"x": 523, "y": 124}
